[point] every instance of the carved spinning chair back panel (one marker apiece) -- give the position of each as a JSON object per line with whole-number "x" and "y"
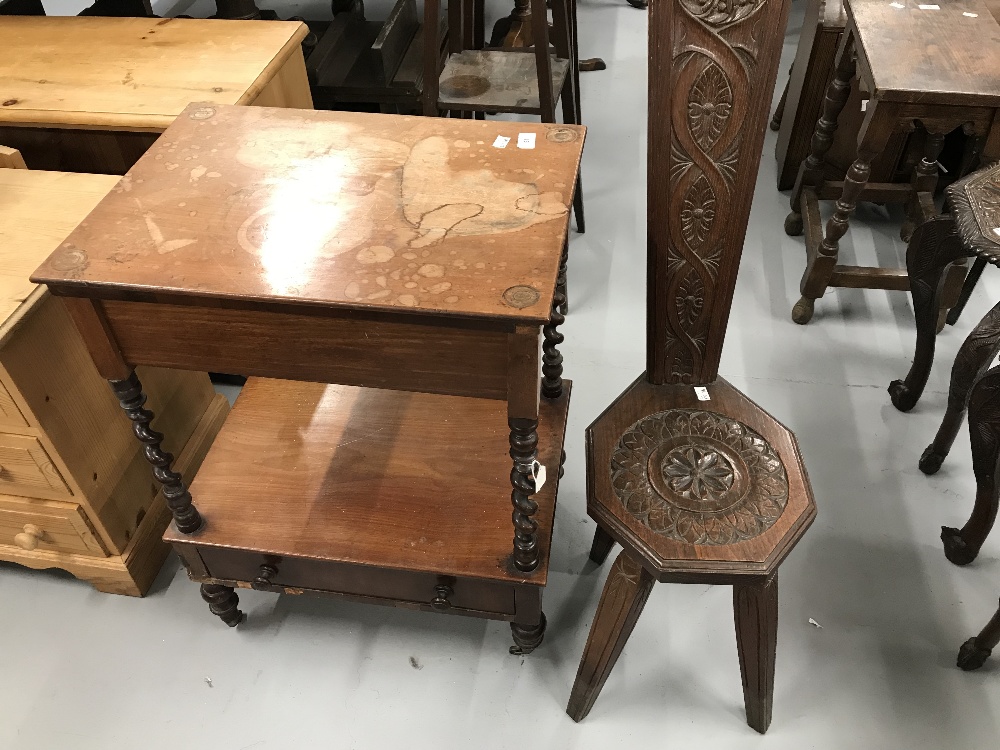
{"x": 712, "y": 69}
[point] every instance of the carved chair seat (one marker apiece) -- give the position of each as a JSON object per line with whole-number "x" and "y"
{"x": 696, "y": 492}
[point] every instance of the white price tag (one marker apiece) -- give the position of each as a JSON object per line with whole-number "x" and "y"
{"x": 702, "y": 393}
{"x": 525, "y": 140}
{"x": 864, "y": 105}
{"x": 501, "y": 141}
{"x": 929, "y": 7}
{"x": 538, "y": 474}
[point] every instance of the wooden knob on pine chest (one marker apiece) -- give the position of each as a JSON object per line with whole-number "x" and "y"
{"x": 30, "y": 537}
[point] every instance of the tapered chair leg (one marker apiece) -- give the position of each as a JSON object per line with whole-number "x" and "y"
{"x": 602, "y": 546}
{"x": 625, "y": 595}
{"x": 755, "y": 606}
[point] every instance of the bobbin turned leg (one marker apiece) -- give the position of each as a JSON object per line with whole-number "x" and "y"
{"x": 811, "y": 170}
{"x": 976, "y": 651}
{"x": 755, "y": 606}
{"x": 961, "y": 546}
{"x": 223, "y": 602}
{"x": 821, "y": 260}
{"x": 132, "y": 400}
{"x": 625, "y": 594}
{"x": 923, "y": 181}
{"x": 972, "y": 360}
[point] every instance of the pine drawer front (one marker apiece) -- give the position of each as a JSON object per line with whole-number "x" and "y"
{"x": 26, "y": 469}
{"x": 10, "y": 415}
{"x": 46, "y": 525}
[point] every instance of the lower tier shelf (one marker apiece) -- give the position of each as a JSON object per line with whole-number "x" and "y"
{"x": 376, "y": 495}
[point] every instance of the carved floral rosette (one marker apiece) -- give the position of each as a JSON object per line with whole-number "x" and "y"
{"x": 713, "y": 64}
{"x": 698, "y": 477}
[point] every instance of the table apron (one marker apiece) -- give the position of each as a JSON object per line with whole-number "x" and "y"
{"x": 430, "y": 358}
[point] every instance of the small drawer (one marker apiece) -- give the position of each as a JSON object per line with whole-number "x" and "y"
{"x": 10, "y": 415}
{"x": 26, "y": 469}
{"x": 46, "y": 525}
{"x": 423, "y": 590}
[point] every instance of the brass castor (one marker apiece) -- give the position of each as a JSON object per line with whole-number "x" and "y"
{"x": 802, "y": 313}
{"x": 793, "y": 224}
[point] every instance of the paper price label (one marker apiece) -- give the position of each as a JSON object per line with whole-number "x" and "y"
{"x": 538, "y": 474}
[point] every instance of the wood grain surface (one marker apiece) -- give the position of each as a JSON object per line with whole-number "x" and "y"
{"x": 30, "y": 229}
{"x": 133, "y": 73}
{"x": 344, "y": 209}
{"x": 932, "y": 53}
{"x": 678, "y": 560}
{"x": 712, "y": 68}
{"x": 372, "y": 477}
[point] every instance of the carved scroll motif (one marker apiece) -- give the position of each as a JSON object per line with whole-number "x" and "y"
{"x": 716, "y": 44}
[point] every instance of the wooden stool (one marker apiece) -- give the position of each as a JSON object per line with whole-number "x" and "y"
{"x": 967, "y": 231}
{"x": 698, "y": 484}
{"x": 956, "y": 84}
{"x": 517, "y": 81}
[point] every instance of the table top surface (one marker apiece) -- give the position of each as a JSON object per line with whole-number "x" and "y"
{"x": 37, "y": 211}
{"x": 921, "y": 51}
{"x": 336, "y": 209}
{"x": 133, "y": 72}
{"x": 373, "y": 477}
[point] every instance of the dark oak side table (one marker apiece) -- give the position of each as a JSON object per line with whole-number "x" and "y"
{"x": 928, "y": 64}
{"x": 373, "y": 251}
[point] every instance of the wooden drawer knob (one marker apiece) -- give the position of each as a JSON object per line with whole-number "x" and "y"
{"x": 30, "y": 537}
{"x": 441, "y": 594}
{"x": 264, "y": 576}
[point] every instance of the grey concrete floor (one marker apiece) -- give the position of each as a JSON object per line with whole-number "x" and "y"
{"x": 82, "y": 670}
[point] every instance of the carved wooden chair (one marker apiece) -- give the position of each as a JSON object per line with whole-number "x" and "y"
{"x": 694, "y": 480}
{"x": 968, "y": 230}
{"x": 946, "y": 91}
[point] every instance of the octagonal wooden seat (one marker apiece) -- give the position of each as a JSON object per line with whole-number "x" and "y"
{"x": 696, "y": 492}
